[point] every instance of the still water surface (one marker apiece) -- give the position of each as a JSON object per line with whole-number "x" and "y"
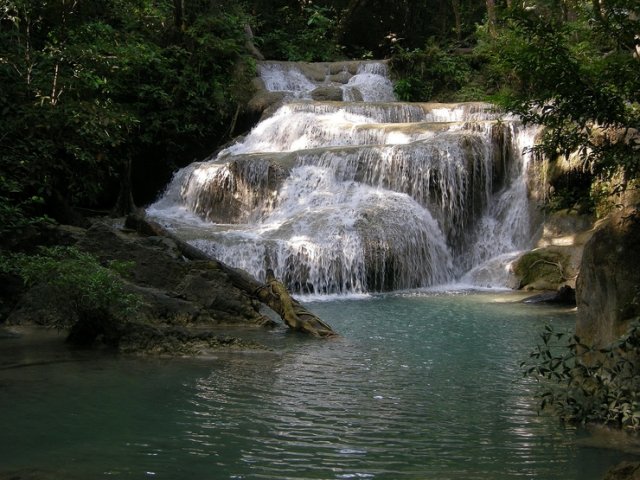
{"x": 418, "y": 386}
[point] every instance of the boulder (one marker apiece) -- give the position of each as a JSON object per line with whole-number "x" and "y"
{"x": 565, "y": 295}
{"x": 327, "y": 93}
{"x": 341, "y": 77}
{"x": 178, "y": 291}
{"x": 183, "y": 303}
{"x": 264, "y": 103}
{"x": 543, "y": 269}
{"x": 624, "y": 471}
{"x": 608, "y": 286}
{"x": 248, "y": 185}
{"x": 555, "y": 262}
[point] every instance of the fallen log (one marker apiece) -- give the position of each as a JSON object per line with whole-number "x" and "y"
{"x": 276, "y": 296}
{"x": 272, "y": 294}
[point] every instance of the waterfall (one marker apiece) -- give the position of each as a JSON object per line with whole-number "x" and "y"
{"x": 359, "y": 195}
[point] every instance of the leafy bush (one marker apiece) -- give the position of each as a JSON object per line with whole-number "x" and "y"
{"x": 91, "y": 92}
{"x": 412, "y": 87}
{"x": 308, "y": 35}
{"x": 15, "y": 213}
{"x": 576, "y": 74}
{"x": 587, "y": 385}
{"x": 88, "y": 298}
{"x": 428, "y": 73}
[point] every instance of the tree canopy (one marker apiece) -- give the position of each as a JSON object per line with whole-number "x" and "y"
{"x": 573, "y": 68}
{"x": 86, "y": 88}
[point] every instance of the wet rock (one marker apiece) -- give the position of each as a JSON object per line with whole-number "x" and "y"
{"x": 341, "y": 77}
{"x": 264, "y": 103}
{"x": 556, "y": 260}
{"x": 355, "y": 95}
{"x": 155, "y": 340}
{"x": 327, "y": 93}
{"x": 231, "y": 196}
{"x": 565, "y": 295}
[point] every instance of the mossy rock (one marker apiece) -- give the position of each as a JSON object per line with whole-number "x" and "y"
{"x": 541, "y": 269}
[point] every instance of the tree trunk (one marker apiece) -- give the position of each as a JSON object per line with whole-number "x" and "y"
{"x": 250, "y": 44}
{"x": 125, "y": 203}
{"x": 275, "y": 295}
{"x": 455, "y": 5}
{"x": 491, "y": 17}
{"x": 179, "y": 15}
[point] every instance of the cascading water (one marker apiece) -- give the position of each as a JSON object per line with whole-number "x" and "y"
{"x": 364, "y": 194}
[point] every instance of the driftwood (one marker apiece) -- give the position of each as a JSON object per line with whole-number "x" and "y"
{"x": 273, "y": 294}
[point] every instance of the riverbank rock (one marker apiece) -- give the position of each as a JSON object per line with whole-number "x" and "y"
{"x": 565, "y": 295}
{"x": 178, "y": 291}
{"x": 624, "y": 471}
{"x": 608, "y": 287}
{"x": 555, "y": 262}
{"x": 183, "y": 303}
{"x": 144, "y": 338}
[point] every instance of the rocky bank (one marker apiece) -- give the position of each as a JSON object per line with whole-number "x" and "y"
{"x": 184, "y": 303}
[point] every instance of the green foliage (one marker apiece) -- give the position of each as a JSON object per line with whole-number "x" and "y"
{"x": 585, "y": 385}
{"x": 576, "y": 75}
{"x": 430, "y": 73}
{"x": 86, "y": 87}
{"x": 302, "y": 33}
{"x": 14, "y": 215}
{"x": 412, "y": 88}
{"x": 82, "y": 289}
{"x": 572, "y": 190}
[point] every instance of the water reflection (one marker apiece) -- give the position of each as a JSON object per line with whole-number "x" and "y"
{"x": 417, "y": 387}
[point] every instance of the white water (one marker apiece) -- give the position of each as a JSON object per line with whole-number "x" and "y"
{"x": 353, "y": 196}
{"x": 369, "y": 82}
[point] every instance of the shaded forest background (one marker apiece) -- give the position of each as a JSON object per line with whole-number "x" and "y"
{"x": 101, "y": 101}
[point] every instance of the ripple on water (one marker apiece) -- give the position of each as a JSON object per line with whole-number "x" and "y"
{"x": 417, "y": 387}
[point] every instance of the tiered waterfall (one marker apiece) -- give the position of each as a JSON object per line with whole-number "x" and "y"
{"x": 360, "y": 195}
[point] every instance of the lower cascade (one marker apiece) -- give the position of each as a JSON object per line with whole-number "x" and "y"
{"x": 361, "y": 194}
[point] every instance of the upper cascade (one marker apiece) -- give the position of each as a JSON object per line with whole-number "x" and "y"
{"x": 360, "y": 193}
{"x": 366, "y": 81}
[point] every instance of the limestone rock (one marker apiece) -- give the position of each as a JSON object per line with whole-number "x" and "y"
{"x": 182, "y": 302}
{"x": 263, "y": 103}
{"x": 624, "y": 471}
{"x": 565, "y": 295}
{"x": 543, "y": 269}
{"x": 180, "y": 291}
{"x": 327, "y": 93}
{"x": 341, "y": 77}
{"x": 555, "y": 262}
{"x": 608, "y": 287}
